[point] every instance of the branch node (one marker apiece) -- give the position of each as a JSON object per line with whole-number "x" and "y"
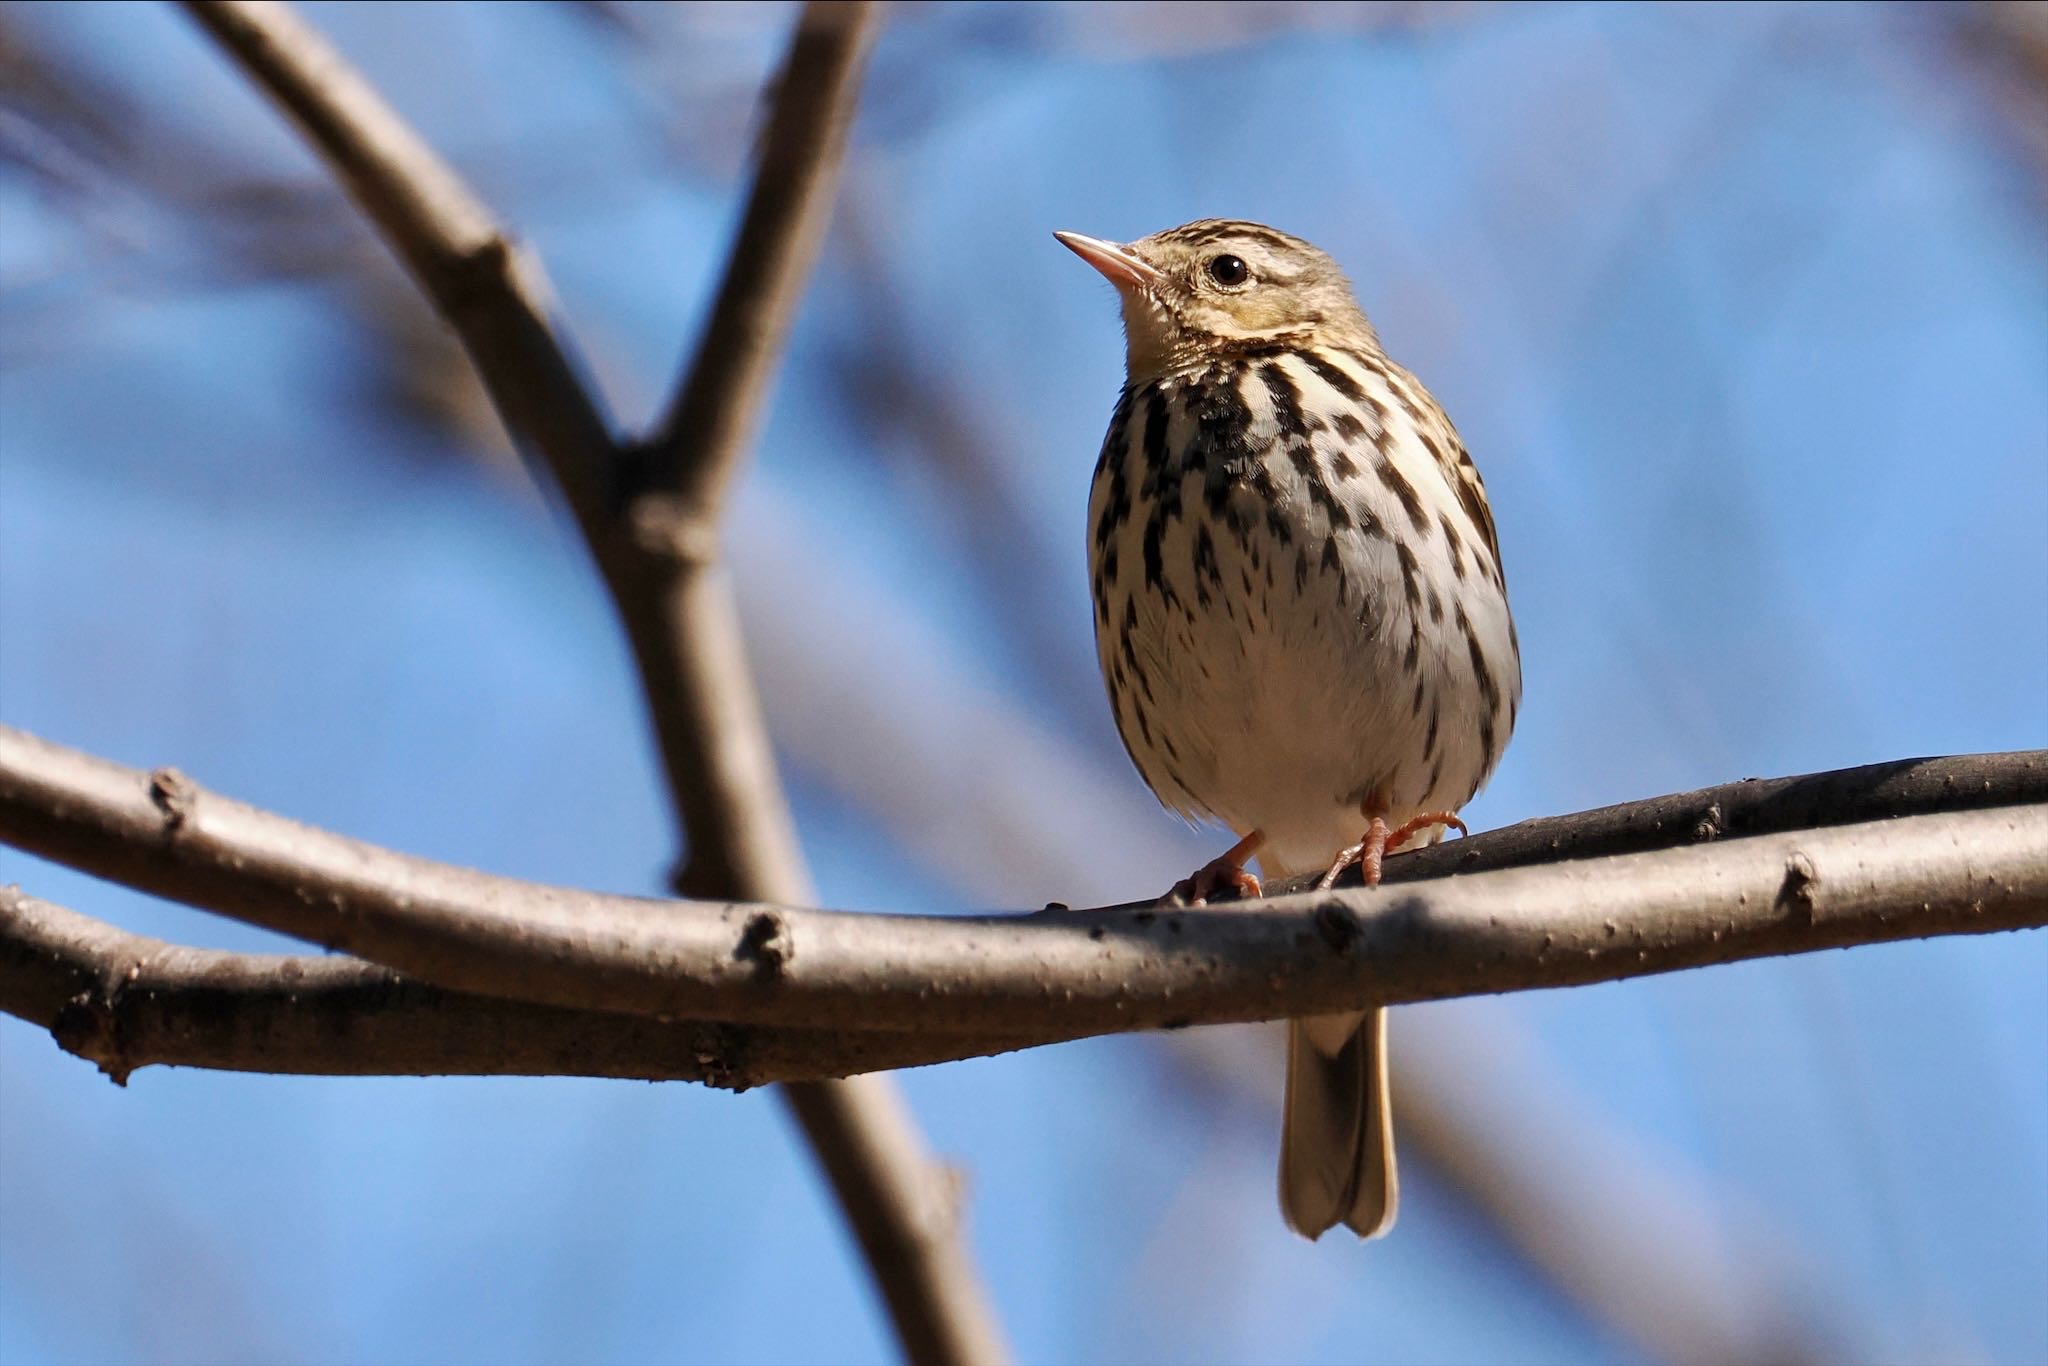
{"x": 466, "y": 273}
{"x": 1710, "y": 826}
{"x": 664, "y": 526}
{"x": 1338, "y": 926}
{"x": 717, "y": 1049}
{"x": 86, "y": 1026}
{"x": 174, "y": 795}
{"x": 1795, "y": 895}
{"x": 766, "y": 942}
{"x": 939, "y": 1214}
{"x": 492, "y": 257}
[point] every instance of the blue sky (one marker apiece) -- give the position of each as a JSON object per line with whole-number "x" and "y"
{"x": 1743, "y": 312}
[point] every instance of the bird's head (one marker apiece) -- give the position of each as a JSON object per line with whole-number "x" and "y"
{"x": 1216, "y": 286}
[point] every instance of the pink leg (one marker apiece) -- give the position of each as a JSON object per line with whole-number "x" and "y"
{"x": 1226, "y": 870}
{"x": 1379, "y": 841}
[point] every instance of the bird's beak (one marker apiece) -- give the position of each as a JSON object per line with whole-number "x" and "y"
{"x": 1118, "y": 264}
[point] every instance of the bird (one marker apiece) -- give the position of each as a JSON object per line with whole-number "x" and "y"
{"x": 1301, "y": 617}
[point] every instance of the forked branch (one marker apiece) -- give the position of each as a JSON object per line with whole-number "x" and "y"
{"x": 650, "y": 518}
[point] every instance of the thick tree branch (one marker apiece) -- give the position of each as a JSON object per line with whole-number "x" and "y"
{"x": 1119, "y": 968}
{"x": 656, "y": 550}
{"x": 124, "y": 1001}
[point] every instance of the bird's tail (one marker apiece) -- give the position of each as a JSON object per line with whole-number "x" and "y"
{"x": 1337, "y": 1131}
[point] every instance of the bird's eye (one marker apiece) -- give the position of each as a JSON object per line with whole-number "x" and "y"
{"x": 1229, "y": 271}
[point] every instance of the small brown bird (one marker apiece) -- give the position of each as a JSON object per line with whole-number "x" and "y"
{"x": 1300, "y": 614}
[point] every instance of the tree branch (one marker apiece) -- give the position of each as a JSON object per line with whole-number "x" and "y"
{"x": 1754, "y": 806}
{"x": 1120, "y": 968}
{"x": 680, "y": 620}
{"x": 657, "y": 553}
{"x": 124, "y": 1001}
{"x": 739, "y": 838}
{"x": 703, "y": 440}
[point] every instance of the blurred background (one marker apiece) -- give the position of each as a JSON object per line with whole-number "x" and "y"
{"x": 1742, "y": 310}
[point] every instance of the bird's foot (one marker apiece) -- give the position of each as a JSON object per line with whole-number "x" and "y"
{"x": 1226, "y": 870}
{"x": 1213, "y": 877}
{"x": 1379, "y": 841}
{"x": 1447, "y": 819}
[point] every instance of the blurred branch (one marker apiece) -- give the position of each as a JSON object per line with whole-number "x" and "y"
{"x": 655, "y": 543}
{"x": 951, "y": 448}
{"x": 704, "y": 437}
{"x": 1945, "y": 871}
{"x": 1680, "y": 1266}
{"x": 740, "y": 839}
{"x": 124, "y": 1001}
{"x": 2003, "y": 46}
{"x": 721, "y": 769}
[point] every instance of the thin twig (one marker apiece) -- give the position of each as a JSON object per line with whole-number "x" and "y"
{"x": 1120, "y": 968}
{"x": 703, "y": 440}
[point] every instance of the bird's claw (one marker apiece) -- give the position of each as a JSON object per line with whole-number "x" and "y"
{"x": 1380, "y": 841}
{"x": 1211, "y": 878}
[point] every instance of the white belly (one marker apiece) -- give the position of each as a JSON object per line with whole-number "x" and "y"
{"x": 1286, "y": 663}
